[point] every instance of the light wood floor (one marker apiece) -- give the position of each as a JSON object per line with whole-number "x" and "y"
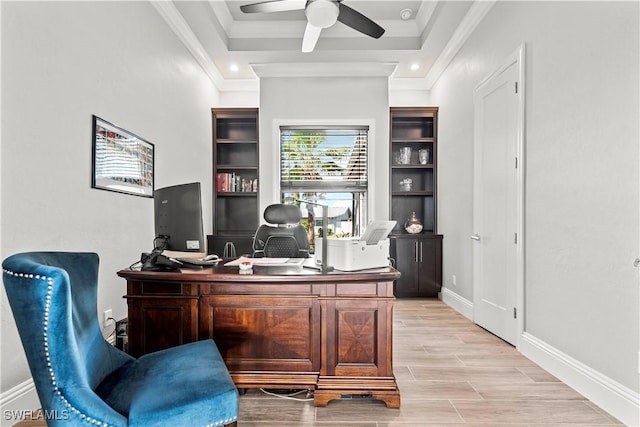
{"x": 450, "y": 373}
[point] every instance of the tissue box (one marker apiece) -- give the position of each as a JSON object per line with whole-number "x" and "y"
{"x": 351, "y": 254}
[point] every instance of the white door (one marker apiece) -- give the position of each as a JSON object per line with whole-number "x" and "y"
{"x": 497, "y": 237}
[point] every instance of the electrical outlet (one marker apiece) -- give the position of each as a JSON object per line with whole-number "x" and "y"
{"x": 107, "y": 316}
{"x": 453, "y": 280}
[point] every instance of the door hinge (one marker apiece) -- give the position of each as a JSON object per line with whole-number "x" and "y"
{"x": 516, "y": 85}
{"x": 515, "y": 313}
{"x": 515, "y": 238}
{"x": 516, "y": 159}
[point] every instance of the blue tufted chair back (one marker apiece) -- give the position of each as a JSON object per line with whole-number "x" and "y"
{"x": 53, "y": 296}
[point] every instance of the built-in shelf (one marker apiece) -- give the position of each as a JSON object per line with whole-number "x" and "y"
{"x": 413, "y": 188}
{"x": 235, "y": 179}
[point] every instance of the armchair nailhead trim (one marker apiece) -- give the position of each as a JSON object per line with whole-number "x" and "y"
{"x": 222, "y": 423}
{"x": 45, "y": 336}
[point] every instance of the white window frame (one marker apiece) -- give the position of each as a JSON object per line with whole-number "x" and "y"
{"x": 371, "y": 178}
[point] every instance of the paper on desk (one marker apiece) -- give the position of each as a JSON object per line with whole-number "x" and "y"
{"x": 266, "y": 261}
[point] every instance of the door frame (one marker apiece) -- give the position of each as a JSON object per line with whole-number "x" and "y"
{"x": 518, "y": 58}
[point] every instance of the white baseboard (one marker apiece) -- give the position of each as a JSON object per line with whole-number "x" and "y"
{"x": 618, "y": 400}
{"x": 458, "y": 303}
{"x": 22, "y": 397}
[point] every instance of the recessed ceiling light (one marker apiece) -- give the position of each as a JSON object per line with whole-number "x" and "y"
{"x": 406, "y": 14}
{"x": 414, "y": 67}
{"x": 234, "y": 67}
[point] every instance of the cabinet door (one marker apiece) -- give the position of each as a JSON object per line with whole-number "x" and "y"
{"x": 161, "y": 315}
{"x": 406, "y": 256}
{"x": 357, "y": 338}
{"x": 429, "y": 267}
{"x": 419, "y": 259}
{"x": 159, "y": 323}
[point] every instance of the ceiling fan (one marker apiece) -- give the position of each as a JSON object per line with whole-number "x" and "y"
{"x": 320, "y": 14}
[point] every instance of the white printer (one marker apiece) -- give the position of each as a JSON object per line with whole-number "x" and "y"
{"x": 371, "y": 250}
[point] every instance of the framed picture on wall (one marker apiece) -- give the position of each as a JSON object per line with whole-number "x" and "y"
{"x": 122, "y": 161}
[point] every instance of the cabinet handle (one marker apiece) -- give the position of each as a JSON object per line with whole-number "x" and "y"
{"x": 415, "y": 251}
{"x": 420, "y": 251}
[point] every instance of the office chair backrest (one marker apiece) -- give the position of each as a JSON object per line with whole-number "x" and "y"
{"x": 287, "y": 239}
{"x": 53, "y": 297}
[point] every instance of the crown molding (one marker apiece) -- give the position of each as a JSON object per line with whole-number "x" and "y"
{"x": 241, "y": 85}
{"x": 425, "y": 13}
{"x": 176, "y": 22}
{"x": 325, "y": 69}
{"x": 223, "y": 15}
{"x": 471, "y": 20}
{"x": 284, "y": 29}
{"x": 406, "y": 83}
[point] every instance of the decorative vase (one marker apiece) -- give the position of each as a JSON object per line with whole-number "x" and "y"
{"x": 405, "y": 155}
{"x": 413, "y": 225}
{"x": 423, "y": 155}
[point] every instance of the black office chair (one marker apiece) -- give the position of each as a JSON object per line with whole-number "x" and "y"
{"x": 287, "y": 239}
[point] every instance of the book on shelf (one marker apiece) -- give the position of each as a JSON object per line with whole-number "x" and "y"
{"x": 230, "y": 182}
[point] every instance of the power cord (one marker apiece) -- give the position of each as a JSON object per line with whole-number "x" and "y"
{"x": 159, "y": 245}
{"x": 291, "y": 395}
{"x": 112, "y": 334}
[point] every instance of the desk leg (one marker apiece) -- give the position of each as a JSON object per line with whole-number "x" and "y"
{"x": 357, "y": 336}
{"x": 330, "y": 388}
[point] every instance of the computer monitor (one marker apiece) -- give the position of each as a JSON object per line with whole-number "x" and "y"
{"x": 178, "y": 218}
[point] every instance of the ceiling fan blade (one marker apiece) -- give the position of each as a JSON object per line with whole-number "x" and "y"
{"x": 311, "y": 36}
{"x": 274, "y": 6}
{"x": 359, "y": 22}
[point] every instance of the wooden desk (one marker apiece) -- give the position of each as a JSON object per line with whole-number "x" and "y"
{"x": 332, "y": 333}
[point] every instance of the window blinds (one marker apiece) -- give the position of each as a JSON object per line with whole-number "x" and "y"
{"x": 327, "y": 158}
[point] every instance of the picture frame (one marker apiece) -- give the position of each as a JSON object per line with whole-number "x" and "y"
{"x": 122, "y": 161}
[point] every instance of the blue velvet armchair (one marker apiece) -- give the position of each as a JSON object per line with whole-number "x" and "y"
{"x": 83, "y": 380}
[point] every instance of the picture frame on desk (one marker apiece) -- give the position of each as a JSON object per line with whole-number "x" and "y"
{"x": 121, "y": 161}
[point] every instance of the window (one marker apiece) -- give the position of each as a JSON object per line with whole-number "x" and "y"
{"x": 326, "y": 165}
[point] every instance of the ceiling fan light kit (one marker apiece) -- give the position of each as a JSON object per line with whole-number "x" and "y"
{"x": 320, "y": 14}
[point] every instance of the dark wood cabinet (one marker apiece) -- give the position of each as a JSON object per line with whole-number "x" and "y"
{"x": 413, "y": 154}
{"x": 419, "y": 259}
{"x": 161, "y": 315}
{"x": 263, "y": 332}
{"x": 235, "y": 178}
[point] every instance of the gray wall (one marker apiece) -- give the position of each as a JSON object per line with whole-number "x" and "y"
{"x": 337, "y": 99}
{"x": 61, "y": 63}
{"x": 582, "y": 172}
